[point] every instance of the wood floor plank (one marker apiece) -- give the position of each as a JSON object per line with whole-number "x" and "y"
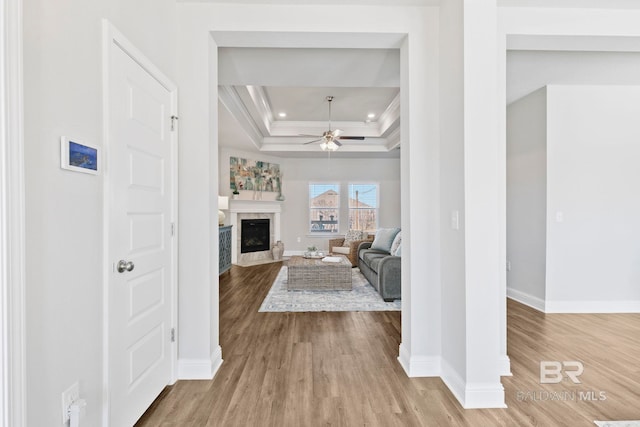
{"x": 341, "y": 369}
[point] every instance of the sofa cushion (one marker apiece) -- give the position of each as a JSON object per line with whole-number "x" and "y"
{"x": 371, "y": 258}
{"x": 384, "y": 239}
{"x": 374, "y": 263}
{"x": 341, "y": 250}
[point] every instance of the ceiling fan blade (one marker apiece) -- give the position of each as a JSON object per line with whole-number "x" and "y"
{"x": 356, "y": 138}
{"x": 336, "y": 133}
{"x": 315, "y": 140}
{"x": 338, "y": 143}
{"x": 307, "y": 135}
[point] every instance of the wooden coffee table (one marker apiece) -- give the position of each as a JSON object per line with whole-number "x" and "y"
{"x": 315, "y": 274}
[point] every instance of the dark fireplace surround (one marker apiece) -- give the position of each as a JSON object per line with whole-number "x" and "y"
{"x": 254, "y": 235}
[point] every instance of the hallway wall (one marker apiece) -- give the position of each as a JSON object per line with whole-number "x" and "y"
{"x": 63, "y": 96}
{"x": 572, "y": 221}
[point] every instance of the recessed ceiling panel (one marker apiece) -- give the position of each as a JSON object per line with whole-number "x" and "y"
{"x": 310, "y": 104}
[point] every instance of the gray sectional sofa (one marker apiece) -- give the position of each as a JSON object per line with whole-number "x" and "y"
{"x": 381, "y": 269}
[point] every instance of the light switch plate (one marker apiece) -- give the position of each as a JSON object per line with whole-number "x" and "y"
{"x": 455, "y": 220}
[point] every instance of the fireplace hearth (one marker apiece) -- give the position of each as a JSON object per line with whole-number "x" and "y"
{"x": 254, "y": 235}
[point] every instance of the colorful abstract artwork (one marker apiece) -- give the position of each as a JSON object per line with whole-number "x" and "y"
{"x": 254, "y": 175}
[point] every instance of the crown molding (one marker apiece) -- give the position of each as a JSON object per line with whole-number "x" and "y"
{"x": 390, "y": 116}
{"x": 393, "y": 139}
{"x": 232, "y": 101}
{"x": 268, "y": 134}
{"x": 262, "y": 104}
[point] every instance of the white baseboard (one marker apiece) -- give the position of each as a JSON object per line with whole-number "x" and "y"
{"x": 592, "y": 307}
{"x": 600, "y": 307}
{"x": 419, "y": 366}
{"x": 526, "y": 299}
{"x": 504, "y": 366}
{"x": 473, "y": 395}
{"x": 200, "y": 369}
{"x": 490, "y": 395}
{"x": 452, "y": 380}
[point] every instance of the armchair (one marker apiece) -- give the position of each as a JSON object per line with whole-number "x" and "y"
{"x": 351, "y": 251}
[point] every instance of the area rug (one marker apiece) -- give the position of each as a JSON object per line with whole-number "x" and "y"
{"x": 617, "y": 423}
{"x": 363, "y": 297}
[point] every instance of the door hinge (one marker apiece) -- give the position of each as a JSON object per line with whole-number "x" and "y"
{"x": 174, "y": 119}
{"x": 173, "y": 228}
{"x": 173, "y": 334}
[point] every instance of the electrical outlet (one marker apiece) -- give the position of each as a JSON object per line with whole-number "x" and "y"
{"x": 69, "y": 396}
{"x": 299, "y": 239}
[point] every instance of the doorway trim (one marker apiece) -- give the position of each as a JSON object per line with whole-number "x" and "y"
{"x": 413, "y": 340}
{"x": 12, "y": 216}
{"x": 112, "y": 36}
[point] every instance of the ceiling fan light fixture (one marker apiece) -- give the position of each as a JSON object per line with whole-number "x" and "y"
{"x": 330, "y": 139}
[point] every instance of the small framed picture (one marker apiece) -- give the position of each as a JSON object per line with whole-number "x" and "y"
{"x": 79, "y": 157}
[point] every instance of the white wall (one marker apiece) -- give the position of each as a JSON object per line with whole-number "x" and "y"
{"x": 528, "y": 71}
{"x": 63, "y": 96}
{"x": 299, "y": 172}
{"x": 527, "y": 198}
{"x": 572, "y": 222}
{"x": 593, "y": 181}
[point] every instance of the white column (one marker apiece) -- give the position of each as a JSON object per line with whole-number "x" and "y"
{"x": 482, "y": 171}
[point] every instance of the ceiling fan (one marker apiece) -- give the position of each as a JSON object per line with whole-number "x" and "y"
{"x": 329, "y": 140}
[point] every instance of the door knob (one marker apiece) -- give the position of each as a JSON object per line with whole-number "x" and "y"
{"x": 124, "y": 266}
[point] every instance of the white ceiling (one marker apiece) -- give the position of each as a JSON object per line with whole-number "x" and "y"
{"x": 616, "y": 4}
{"x": 349, "y": 103}
{"x": 256, "y": 84}
{"x": 332, "y": 2}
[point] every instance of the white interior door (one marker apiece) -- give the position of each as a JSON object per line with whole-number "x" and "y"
{"x": 141, "y": 194}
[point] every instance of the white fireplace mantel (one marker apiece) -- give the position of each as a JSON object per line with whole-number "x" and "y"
{"x": 237, "y": 207}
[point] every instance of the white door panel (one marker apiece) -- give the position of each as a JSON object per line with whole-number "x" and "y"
{"x": 140, "y": 215}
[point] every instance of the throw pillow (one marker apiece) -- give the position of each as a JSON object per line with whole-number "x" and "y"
{"x": 384, "y": 239}
{"x": 398, "y": 251}
{"x": 396, "y": 243}
{"x": 352, "y": 236}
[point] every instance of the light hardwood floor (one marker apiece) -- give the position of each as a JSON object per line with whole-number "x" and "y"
{"x": 340, "y": 369}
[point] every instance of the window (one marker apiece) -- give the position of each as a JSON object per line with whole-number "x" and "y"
{"x": 324, "y": 208}
{"x": 363, "y": 207}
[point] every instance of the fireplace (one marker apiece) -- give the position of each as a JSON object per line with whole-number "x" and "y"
{"x": 240, "y": 210}
{"x": 254, "y": 235}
